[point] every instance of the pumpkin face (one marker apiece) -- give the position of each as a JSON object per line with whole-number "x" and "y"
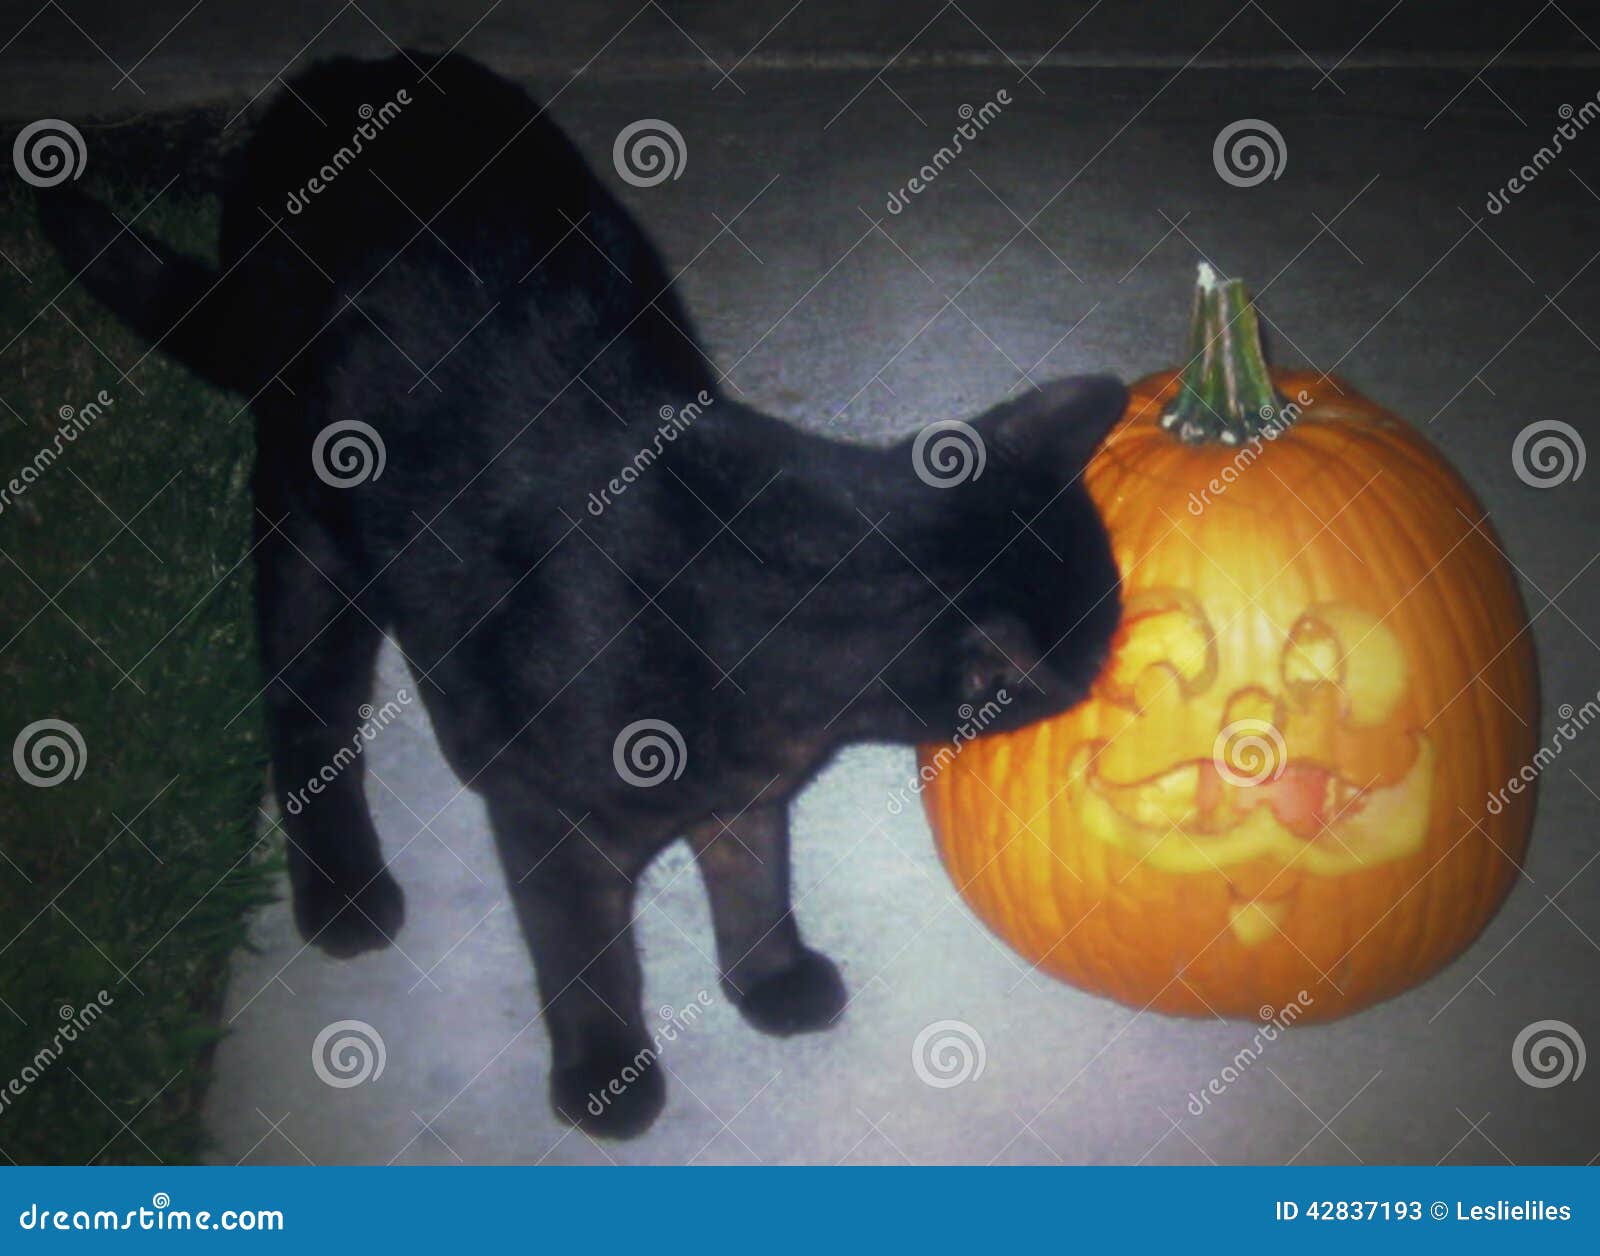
{"x": 1279, "y": 782}
{"x": 1323, "y": 774}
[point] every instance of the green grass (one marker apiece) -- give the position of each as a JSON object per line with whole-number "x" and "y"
{"x": 135, "y": 877}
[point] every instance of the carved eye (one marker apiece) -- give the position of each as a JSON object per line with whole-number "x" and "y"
{"x": 1165, "y": 640}
{"x": 1339, "y": 645}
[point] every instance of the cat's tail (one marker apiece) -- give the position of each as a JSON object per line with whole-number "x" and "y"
{"x": 167, "y": 297}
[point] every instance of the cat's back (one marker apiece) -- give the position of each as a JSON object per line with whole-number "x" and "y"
{"x": 425, "y": 249}
{"x": 438, "y": 188}
{"x": 357, "y": 159}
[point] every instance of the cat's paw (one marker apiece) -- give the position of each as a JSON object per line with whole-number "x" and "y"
{"x": 807, "y": 996}
{"x": 612, "y": 1094}
{"x": 345, "y": 925}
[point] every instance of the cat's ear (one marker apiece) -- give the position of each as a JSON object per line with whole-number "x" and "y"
{"x": 1059, "y": 424}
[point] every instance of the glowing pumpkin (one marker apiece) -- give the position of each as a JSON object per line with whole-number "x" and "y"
{"x": 1280, "y": 781}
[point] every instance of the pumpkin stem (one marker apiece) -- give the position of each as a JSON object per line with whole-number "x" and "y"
{"x": 1226, "y": 392}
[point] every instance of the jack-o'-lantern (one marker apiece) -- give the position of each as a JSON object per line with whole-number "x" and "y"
{"x": 1277, "y": 790}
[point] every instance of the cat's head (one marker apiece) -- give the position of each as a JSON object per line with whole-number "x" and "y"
{"x": 1020, "y": 559}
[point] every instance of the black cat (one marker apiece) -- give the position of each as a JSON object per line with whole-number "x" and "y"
{"x": 637, "y": 609}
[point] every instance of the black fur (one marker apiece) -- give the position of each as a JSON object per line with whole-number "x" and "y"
{"x": 472, "y": 291}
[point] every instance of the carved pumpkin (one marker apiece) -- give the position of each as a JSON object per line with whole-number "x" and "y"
{"x": 1279, "y": 783}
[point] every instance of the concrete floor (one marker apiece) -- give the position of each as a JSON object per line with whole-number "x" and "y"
{"x": 1064, "y": 239}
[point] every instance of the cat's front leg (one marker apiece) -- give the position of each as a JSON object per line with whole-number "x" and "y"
{"x": 573, "y": 890}
{"x": 779, "y": 984}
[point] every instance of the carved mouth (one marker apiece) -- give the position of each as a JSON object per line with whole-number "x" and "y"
{"x": 1190, "y": 818}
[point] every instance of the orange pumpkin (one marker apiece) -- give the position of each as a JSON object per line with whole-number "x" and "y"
{"x": 1279, "y": 783}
